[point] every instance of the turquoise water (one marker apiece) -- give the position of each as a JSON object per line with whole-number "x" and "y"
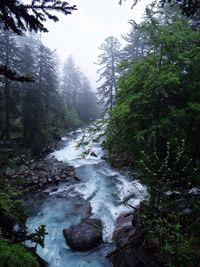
{"x": 101, "y": 187}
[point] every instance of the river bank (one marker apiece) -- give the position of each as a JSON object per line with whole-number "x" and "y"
{"x": 100, "y": 185}
{"x": 71, "y": 185}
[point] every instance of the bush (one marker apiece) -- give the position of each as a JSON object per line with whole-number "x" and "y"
{"x": 15, "y": 255}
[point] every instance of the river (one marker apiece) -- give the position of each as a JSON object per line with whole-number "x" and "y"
{"x": 101, "y": 185}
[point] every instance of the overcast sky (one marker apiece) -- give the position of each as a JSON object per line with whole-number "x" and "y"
{"x": 81, "y": 33}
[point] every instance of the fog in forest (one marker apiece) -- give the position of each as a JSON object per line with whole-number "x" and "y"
{"x": 81, "y": 33}
{"x": 99, "y": 133}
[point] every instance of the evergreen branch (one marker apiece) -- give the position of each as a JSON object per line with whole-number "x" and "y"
{"x": 188, "y": 7}
{"x": 12, "y": 75}
{"x": 16, "y": 16}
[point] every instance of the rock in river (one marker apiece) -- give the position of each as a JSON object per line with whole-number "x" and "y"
{"x": 84, "y": 236}
{"x": 124, "y": 230}
{"x": 93, "y": 154}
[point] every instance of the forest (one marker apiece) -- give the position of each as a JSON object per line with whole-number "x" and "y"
{"x": 32, "y": 110}
{"x": 144, "y": 125}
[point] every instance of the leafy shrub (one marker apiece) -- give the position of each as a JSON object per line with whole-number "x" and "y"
{"x": 15, "y": 255}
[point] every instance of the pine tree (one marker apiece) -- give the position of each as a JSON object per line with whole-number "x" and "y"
{"x": 10, "y": 54}
{"x": 77, "y": 92}
{"x": 135, "y": 48}
{"x": 71, "y": 82}
{"x": 188, "y": 7}
{"x": 19, "y": 17}
{"x": 109, "y": 61}
{"x": 29, "y": 104}
{"x": 87, "y": 107}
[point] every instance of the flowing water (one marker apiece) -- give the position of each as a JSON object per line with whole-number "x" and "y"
{"x": 101, "y": 186}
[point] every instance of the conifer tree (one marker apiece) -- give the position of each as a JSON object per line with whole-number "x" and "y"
{"x": 108, "y": 61}
{"x": 19, "y": 17}
{"x": 10, "y": 54}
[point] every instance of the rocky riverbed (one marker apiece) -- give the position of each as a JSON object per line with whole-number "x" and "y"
{"x": 82, "y": 201}
{"x": 39, "y": 175}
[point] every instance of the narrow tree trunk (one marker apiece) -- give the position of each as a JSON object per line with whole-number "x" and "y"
{"x": 7, "y": 93}
{"x": 25, "y": 117}
{"x": 7, "y": 109}
{"x": 113, "y": 88}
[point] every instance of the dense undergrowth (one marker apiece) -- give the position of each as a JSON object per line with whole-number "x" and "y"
{"x": 13, "y": 230}
{"x": 156, "y": 121}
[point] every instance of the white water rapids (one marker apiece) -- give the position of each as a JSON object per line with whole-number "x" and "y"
{"x": 103, "y": 186}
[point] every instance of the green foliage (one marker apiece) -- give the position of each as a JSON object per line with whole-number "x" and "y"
{"x": 39, "y": 235}
{"x": 156, "y": 121}
{"x": 41, "y": 138}
{"x": 108, "y": 61}
{"x": 30, "y": 111}
{"x": 72, "y": 119}
{"x": 16, "y": 255}
{"x": 168, "y": 230}
{"x": 174, "y": 170}
{"x": 188, "y": 7}
{"x": 12, "y": 209}
{"x": 18, "y": 17}
{"x": 13, "y": 219}
{"x": 80, "y": 100}
{"x": 165, "y": 232}
{"x": 158, "y": 97}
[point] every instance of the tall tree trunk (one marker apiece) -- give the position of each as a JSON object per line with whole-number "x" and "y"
{"x": 7, "y": 92}
{"x": 7, "y": 109}
{"x": 25, "y": 116}
{"x": 113, "y": 79}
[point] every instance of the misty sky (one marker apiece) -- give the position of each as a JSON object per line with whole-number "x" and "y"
{"x": 81, "y": 33}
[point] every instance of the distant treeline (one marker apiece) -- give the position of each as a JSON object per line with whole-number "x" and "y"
{"x": 31, "y": 111}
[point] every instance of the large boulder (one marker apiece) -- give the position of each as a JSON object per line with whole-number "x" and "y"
{"x": 124, "y": 230}
{"x": 129, "y": 239}
{"x": 85, "y": 235}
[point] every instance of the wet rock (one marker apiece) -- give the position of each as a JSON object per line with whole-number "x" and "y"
{"x": 93, "y": 154}
{"x": 54, "y": 189}
{"x": 43, "y": 181}
{"x": 84, "y": 236}
{"x": 35, "y": 180}
{"x": 69, "y": 168}
{"x": 127, "y": 198}
{"x": 49, "y": 180}
{"x": 104, "y": 157}
{"x": 70, "y": 173}
{"x": 23, "y": 169}
{"x": 77, "y": 179}
{"x": 43, "y": 174}
{"x": 40, "y": 174}
{"x": 129, "y": 239}
{"x": 57, "y": 179}
{"x": 70, "y": 179}
{"x": 10, "y": 172}
{"x": 194, "y": 191}
{"x": 124, "y": 230}
{"x": 63, "y": 176}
